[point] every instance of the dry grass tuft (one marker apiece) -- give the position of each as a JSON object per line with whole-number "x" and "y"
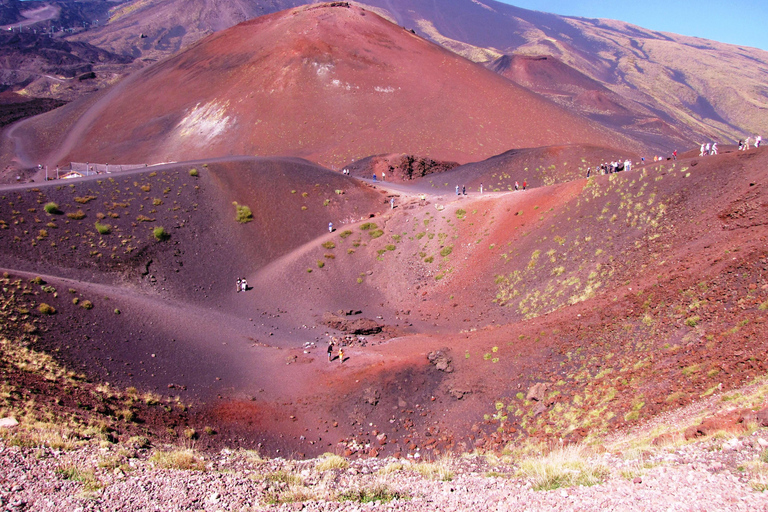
{"x": 563, "y": 467}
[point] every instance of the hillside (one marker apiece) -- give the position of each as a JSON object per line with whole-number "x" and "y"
{"x": 328, "y": 83}
{"x": 676, "y": 88}
{"x": 609, "y": 296}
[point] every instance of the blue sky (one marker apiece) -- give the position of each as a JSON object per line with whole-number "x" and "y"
{"x": 738, "y": 22}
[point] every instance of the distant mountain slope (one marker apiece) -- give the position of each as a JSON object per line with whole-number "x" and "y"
{"x": 152, "y": 30}
{"x": 707, "y": 87}
{"x": 330, "y": 84}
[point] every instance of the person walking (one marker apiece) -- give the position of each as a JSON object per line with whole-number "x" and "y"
{"x": 238, "y": 285}
{"x": 701, "y": 153}
{"x": 481, "y": 189}
{"x": 330, "y": 351}
{"x": 714, "y": 148}
{"x": 243, "y": 285}
{"x": 330, "y": 227}
{"x": 525, "y": 184}
{"x": 392, "y": 203}
{"x": 516, "y": 187}
{"x": 457, "y": 190}
{"x": 341, "y": 355}
{"x": 758, "y": 140}
{"x": 674, "y": 155}
{"x": 464, "y": 189}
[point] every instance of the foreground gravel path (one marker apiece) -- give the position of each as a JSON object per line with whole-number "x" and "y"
{"x": 719, "y": 474}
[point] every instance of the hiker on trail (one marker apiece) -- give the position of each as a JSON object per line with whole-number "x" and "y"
{"x": 383, "y": 176}
{"x": 457, "y": 190}
{"x": 330, "y": 227}
{"x": 714, "y": 148}
{"x": 589, "y": 171}
{"x": 516, "y": 187}
{"x": 243, "y": 285}
{"x": 330, "y": 351}
{"x": 374, "y": 176}
{"x": 706, "y": 150}
{"x": 627, "y": 165}
{"x": 464, "y": 189}
{"x": 746, "y": 144}
{"x": 525, "y": 184}
{"x": 674, "y": 154}
{"x": 701, "y": 153}
{"x": 239, "y": 284}
{"x": 741, "y": 145}
{"x": 392, "y": 203}
{"x": 481, "y": 189}
{"x": 758, "y": 140}
{"x": 341, "y": 355}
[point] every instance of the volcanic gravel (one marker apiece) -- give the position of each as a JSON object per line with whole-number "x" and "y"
{"x": 709, "y": 475}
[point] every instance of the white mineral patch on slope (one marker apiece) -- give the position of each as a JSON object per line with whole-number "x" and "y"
{"x": 481, "y": 4}
{"x": 205, "y": 122}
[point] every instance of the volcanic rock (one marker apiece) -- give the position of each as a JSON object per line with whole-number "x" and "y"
{"x": 538, "y": 392}
{"x": 441, "y": 360}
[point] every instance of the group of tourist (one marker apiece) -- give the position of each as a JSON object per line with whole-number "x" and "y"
{"x": 710, "y": 149}
{"x": 744, "y": 144}
{"x": 611, "y": 167}
{"x": 330, "y": 352}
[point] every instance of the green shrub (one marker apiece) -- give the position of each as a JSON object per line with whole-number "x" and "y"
{"x": 193, "y": 172}
{"x": 345, "y": 234}
{"x": 320, "y": 263}
{"x": 103, "y": 229}
{"x": 446, "y": 251}
{"x": 51, "y": 208}
{"x": 160, "y": 233}
{"x": 376, "y": 233}
{"x": 86, "y": 304}
{"x": 46, "y": 309}
{"x": 243, "y": 214}
{"x": 329, "y": 244}
{"x": 368, "y": 225}
{"x": 692, "y": 321}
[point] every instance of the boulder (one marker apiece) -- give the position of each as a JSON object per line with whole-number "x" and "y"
{"x": 457, "y": 393}
{"x": 441, "y": 360}
{"x": 538, "y": 392}
{"x": 8, "y": 422}
{"x": 371, "y": 396}
{"x": 364, "y": 326}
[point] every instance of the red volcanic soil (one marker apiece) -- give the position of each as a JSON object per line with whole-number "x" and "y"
{"x": 330, "y": 84}
{"x": 624, "y": 295}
